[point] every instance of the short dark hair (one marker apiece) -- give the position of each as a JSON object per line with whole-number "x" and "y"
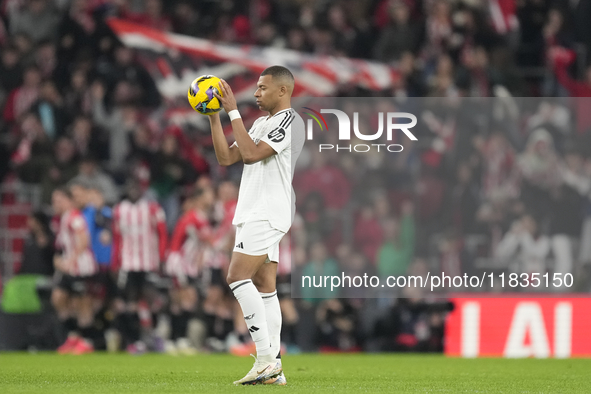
{"x": 81, "y": 182}
{"x": 278, "y": 72}
{"x": 63, "y": 189}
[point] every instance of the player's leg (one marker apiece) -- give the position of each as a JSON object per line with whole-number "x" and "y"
{"x": 175, "y": 310}
{"x": 290, "y": 319}
{"x": 60, "y": 299}
{"x": 240, "y": 273}
{"x": 128, "y": 321}
{"x": 188, "y": 303}
{"x": 85, "y": 318}
{"x": 265, "y": 281}
{"x": 214, "y": 297}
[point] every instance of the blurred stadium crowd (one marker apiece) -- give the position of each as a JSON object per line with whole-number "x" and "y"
{"x": 478, "y": 188}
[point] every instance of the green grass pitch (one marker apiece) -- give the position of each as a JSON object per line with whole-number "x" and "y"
{"x": 307, "y": 373}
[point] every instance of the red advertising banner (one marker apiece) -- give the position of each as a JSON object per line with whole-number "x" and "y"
{"x": 528, "y": 326}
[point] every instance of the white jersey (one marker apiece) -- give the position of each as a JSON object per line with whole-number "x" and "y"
{"x": 266, "y": 192}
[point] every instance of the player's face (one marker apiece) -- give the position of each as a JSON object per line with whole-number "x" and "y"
{"x": 267, "y": 93}
{"x": 80, "y": 196}
{"x": 59, "y": 202}
{"x": 134, "y": 192}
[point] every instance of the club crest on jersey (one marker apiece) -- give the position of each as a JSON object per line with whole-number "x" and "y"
{"x": 277, "y": 135}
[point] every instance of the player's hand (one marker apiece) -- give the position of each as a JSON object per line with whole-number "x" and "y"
{"x": 227, "y": 100}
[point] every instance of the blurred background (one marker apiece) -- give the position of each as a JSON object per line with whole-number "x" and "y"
{"x": 93, "y": 92}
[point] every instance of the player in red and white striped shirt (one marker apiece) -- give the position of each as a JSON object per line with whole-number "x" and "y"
{"x": 75, "y": 266}
{"x": 139, "y": 245}
{"x": 192, "y": 235}
{"x": 219, "y": 304}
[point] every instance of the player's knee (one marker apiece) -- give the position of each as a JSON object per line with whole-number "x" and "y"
{"x": 233, "y": 277}
{"x": 58, "y": 299}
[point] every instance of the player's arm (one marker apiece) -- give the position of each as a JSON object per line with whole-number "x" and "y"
{"x": 205, "y": 233}
{"x": 178, "y": 235}
{"x": 82, "y": 241}
{"x": 226, "y": 155}
{"x": 249, "y": 151}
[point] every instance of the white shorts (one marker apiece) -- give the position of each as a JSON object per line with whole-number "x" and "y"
{"x": 258, "y": 239}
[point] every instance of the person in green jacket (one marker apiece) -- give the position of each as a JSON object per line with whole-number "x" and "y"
{"x": 396, "y": 253}
{"x": 319, "y": 266}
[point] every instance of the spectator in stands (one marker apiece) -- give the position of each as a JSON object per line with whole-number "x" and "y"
{"x": 120, "y": 122}
{"x": 320, "y": 265}
{"x": 89, "y": 140}
{"x": 338, "y": 325}
{"x": 46, "y": 59}
{"x": 345, "y": 35}
{"x": 77, "y": 31}
{"x": 476, "y": 77}
{"x": 326, "y": 179}
{"x": 38, "y": 20}
{"x": 78, "y": 96}
{"x": 561, "y": 59}
{"x": 186, "y": 20}
{"x": 566, "y": 207}
{"x": 500, "y": 177}
{"x": 317, "y": 223}
{"x": 442, "y": 82}
{"x": 439, "y": 29}
{"x": 63, "y": 167}
{"x": 11, "y": 72}
{"x": 401, "y": 35}
{"x": 91, "y": 174}
{"x": 411, "y": 325}
{"x": 30, "y": 155}
{"x": 22, "y": 98}
{"x": 539, "y": 169}
{"x": 168, "y": 173}
{"x": 50, "y": 109}
{"x": 368, "y": 233}
{"x": 127, "y": 81}
{"x": 152, "y": 16}
{"x": 396, "y": 253}
{"x": 463, "y": 199}
{"x": 24, "y": 46}
{"x": 524, "y": 241}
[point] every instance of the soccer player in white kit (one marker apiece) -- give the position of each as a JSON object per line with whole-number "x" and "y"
{"x": 266, "y": 205}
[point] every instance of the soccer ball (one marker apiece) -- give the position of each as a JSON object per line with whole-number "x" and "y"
{"x": 201, "y": 96}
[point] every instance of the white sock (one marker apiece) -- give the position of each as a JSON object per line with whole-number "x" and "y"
{"x": 273, "y": 311}
{"x": 253, "y": 309}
